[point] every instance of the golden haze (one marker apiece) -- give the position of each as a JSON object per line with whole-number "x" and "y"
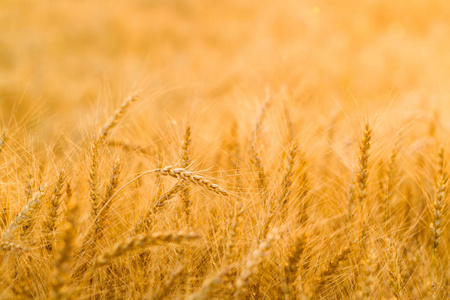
{"x": 224, "y": 149}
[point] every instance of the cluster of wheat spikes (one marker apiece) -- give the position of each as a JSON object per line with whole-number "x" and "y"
{"x": 268, "y": 232}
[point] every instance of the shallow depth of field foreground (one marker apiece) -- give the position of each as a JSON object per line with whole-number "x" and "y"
{"x": 189, "y": 149}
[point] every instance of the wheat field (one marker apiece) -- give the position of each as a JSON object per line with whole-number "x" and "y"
{"x": 191, "y": 149}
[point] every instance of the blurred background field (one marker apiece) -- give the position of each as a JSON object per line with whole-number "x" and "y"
{"x": 65, "y": 59}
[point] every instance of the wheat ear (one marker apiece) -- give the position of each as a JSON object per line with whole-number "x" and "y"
{"x": 281, "y": 204}
{"x": 304, "y": 190}
{"x": 8, "y": 246}
{"x": 65, "y": 253}
{"x": 395, "y": 278}
{"x": 167, "y": 286}
{"x": 351, "y": 196}
{"x": 23, "y": 219}
{"x": 272, "y": 210}
{"x": 252, "y": 266}
{"x": 95, "y": 155}
{"x": 230, "y": 254}
{"x": 262, "y": 114}
{"x": 208, "y": 286}
{"x": 438, "y": 210}
{"x": 362, "y": 174}
{"x": 287, "y": 179}
{"x": 3, "y": 138}
{"x": 129, "y": 146}
{"x": 330, "y": 269}
{"x": 291, "y": 266}
{"x": 185, "y": 162}
{"x": 50, "y": 225}
{"x": 255, "y": 158}
{"x": 388, "y": 184}
{"x": 439, "y": 203}
{"x": 69, "y": 193}
{"x": 118, "y": 115}
{"x": 145, "y": 221}
{"x": 106, "y": 204}
{"x": 368, "y": 275}
{"x": 186, "y": 175}
{"x": 230, "y": 250}
{"x": 93, "y": 178}
{"x": 142, "y": 241}
{"x": 235, "y": 156}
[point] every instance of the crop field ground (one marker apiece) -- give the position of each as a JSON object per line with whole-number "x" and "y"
{"x": 193, "y": 149}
